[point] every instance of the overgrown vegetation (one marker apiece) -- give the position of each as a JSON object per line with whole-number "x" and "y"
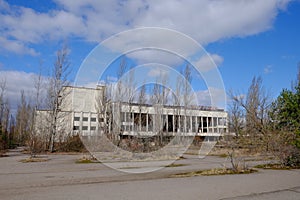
{"x": 34, "y": 159}
{"x": 176, "y": 165}
{"x": 21, "y": 129}
{"x": 71, "y": 144}
{"x": 86, "y": 159}
{"x": 213, "y": 172}
{"x": 275, "y": 166}
{"x": 265, "y": 126}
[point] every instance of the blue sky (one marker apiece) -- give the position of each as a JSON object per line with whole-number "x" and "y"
{"x": 244, "y": 38}
{"x": 273, "y": 54}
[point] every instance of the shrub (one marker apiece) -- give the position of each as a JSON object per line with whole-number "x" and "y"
{"x": 71, "y": 144}
{"x": 293, "y": 158}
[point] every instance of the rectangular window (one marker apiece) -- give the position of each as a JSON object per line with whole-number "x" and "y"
{"x": 93, "y": 128}
{"x": 93, "y": 119}
{"x": 85, "y": 128}
{"x": 85, "y": 119}
{"x": 76, "y": 128}
{"x": 101, "y": 119}
{"x": 76, "y": 118}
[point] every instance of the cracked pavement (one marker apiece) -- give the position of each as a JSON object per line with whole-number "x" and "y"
{"x": 61, "y": 178}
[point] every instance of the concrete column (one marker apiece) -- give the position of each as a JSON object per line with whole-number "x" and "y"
{"x": 191, "y": 123}
{"x": 89, "y": 120}
{"x": 173, "y": 120}
{"x": 81, "y": 120}
{"x": 97, "y": 123}
{"x": 179, "y": 123}
{"x": 218, "y": 125}
{"x": 207, "y": 124}
{"x": 132, "y": 114}
{"x": 196, "y": 124}
{"x": 125, "y": 120}
{"x": 184, "y": 123}
{"x": 212, "y": 124}
{"x": 147, "y": 122}
{"x": 153, "y": 122}
{"x": 140, "y": 121}
{"x": 167, "y": 123}
{"x": 201, "y": 124}
{"x": 90, "y": 116}
{"x": 72, "y": 122}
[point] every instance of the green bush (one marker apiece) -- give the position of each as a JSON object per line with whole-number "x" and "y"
{"x": 293, "y": 158}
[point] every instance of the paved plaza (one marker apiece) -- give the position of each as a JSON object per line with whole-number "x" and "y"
{"x": 61, "y": 178}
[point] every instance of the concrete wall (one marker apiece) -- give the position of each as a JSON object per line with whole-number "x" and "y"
{"x": 79, "y": 114}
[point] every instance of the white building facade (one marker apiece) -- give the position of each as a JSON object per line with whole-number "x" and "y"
{"x": 87, "y": 111}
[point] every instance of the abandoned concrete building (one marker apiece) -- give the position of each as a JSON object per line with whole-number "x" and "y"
{"x": 83, "y": 111}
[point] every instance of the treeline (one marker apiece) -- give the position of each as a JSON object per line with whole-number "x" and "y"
{"x": 19, "y": 129}
{"x": 262, "y": 124}
{"x": 7, "y": 121}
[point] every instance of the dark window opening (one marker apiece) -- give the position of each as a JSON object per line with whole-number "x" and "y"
{"x": 93, "y": 119}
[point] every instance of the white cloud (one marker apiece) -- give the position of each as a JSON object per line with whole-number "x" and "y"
{"x": 211, "y": 97}
{"x": 4, "y": 5}
{"x": 206, "y": 21}
{"x": 16, "y": 47}
{"x": 29, "y": 26}
{"x": 208, "y": 62}
{"x": 268, "y": 69}
{"x": 155, "y": 56}
{"x": 16, "y": 81}
{"x": 157, "y": 72}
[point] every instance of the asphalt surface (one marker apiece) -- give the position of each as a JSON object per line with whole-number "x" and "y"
{"x": 61, "y": 178}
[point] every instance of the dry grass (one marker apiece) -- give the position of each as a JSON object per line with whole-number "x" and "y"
{"x": 2, "y": 154}
{"x": 130, "y": 168}
{"x": 275, "y": 166}
{"x": 212, "y": 172}
{"x": 87, "y": 159}
{"x": 34, "y": 159}
{"x": 176, "y": 165}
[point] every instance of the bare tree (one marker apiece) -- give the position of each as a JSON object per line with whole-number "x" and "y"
{"x": 103, "y": 108}
{"x": 183, "y": 98}
{"x": 159, "y": 98}
{"x": 119, "y": 97}
{"x": 187, "y": 91}
{"x": 236, "y": 118}
{"x": 187, "y": 94}
{"x": 23, "y": 119}
{"x": 142, "y": 100}
{"x": 35, "y": 141}
{"x": 57, "y": 91}
{"x": 142, "y": 96}
{"x": 256, "y": 107}
{"x": 38, "y": 84}
{"x": 109, "y": 105}
{"x": 4, "y": 115}
{"x": 2, "y": 101}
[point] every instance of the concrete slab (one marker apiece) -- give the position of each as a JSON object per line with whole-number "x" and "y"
{"x": 61, "y": 178}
